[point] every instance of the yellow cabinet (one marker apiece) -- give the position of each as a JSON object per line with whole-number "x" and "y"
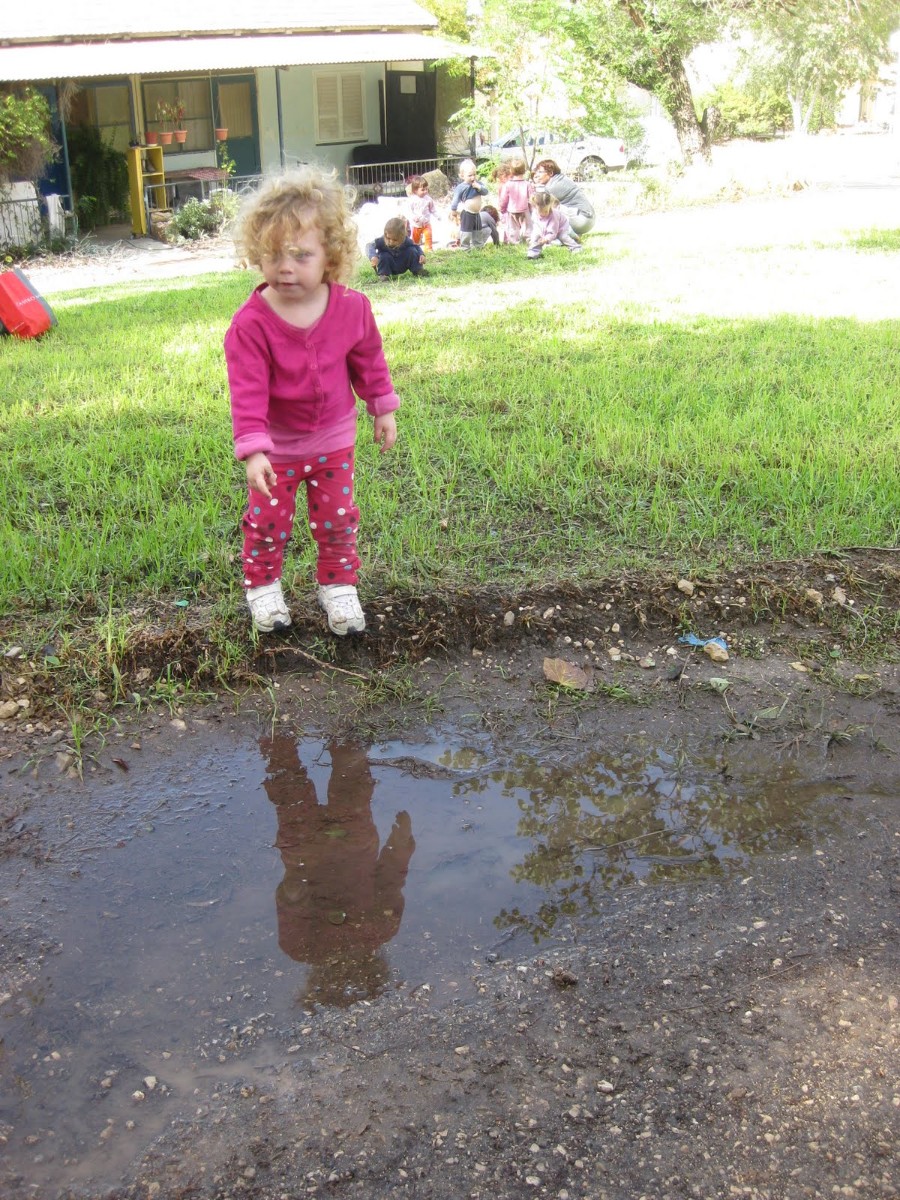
{"x": 146, "y": 185}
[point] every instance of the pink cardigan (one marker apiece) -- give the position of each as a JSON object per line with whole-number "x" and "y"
{"x": 292, "y": 390}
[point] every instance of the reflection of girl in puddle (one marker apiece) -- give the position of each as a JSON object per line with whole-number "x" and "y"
{"x": 340, "y": 899}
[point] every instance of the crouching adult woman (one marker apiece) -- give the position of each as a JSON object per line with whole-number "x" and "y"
{"x": 572, "y": 199}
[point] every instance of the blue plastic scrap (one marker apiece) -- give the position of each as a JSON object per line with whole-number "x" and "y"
{"x": 691, "y": 639}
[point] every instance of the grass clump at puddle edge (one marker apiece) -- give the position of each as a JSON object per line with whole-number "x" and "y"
{"x": 539, "y": 443}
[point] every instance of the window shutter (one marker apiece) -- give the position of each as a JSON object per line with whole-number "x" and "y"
{"x": 328, "y": 117}
{"x": 352, "y": 106}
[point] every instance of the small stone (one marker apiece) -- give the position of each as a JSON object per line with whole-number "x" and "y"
{"x": 685, "y": 586}
{"x": 461, "y": 1050}
{"x": 614, "y": 653}
{"x": 605, "y": 1086}
{"x": 548, "y": 613}
{"x": 13, "y": 652}
{"x": 509, "y": 618}
{"x": 150, "y": 1082}
{"x": 815, "y": 596}
{"x": 647, "y": 662}
{"x": 8, "y": 710}
{"x": 716, "y": 652}
{"x": 178, "y": 724}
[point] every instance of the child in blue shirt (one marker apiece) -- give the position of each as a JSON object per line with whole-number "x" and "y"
{"x": 396, "y": 252}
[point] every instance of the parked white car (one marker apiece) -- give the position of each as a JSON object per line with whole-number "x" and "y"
{"x": 583, "y": 159}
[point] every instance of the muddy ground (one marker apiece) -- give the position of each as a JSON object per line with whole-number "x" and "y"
{"x": 712, "y": 1035}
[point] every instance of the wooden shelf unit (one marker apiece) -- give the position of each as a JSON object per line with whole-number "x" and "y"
{"x": 146, "y": 185}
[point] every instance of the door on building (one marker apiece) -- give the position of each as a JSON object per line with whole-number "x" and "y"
{"x": 409, "y": 114}
{"x": 234, "y": 107}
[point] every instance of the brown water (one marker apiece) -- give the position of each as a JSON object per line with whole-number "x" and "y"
{"x": 205, "y": 914}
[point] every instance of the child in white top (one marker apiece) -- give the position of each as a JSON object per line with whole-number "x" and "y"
{"x": 420, "y": 211}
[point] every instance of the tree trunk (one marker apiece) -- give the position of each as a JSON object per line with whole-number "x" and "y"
{"x": 693, "y": 140}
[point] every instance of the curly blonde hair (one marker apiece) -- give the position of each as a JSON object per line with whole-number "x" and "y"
{"x": 290, "y": 205}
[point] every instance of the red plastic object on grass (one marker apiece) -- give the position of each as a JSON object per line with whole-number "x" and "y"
{"x": 23, "y": 312}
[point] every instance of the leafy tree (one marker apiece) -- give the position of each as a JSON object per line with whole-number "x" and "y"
{"x": 816, "y": 49}
{"x": 647, "y": 44}
{"x": 25, "y": 143}
{"x": 532, "y": 76}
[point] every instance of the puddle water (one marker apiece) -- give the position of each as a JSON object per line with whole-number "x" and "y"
{"x": 209, "y": 910}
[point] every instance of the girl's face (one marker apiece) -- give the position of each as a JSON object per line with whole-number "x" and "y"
{"x": 422, "y": 189}
{"x": 297, "y": 270}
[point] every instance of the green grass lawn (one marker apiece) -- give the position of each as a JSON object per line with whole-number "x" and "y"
{"x": 538, "y": 443}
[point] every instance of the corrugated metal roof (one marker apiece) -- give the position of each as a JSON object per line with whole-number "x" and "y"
{"x": 50, "y": 20}
{"x": 89, "y": 60}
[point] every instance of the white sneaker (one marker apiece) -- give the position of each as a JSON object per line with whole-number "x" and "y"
{"x": 268, "y": 609}
{"x": 342, "y": 607}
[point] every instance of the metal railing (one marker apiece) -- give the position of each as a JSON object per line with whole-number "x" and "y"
{"x": 389, "y": 178}
{"x": 30, "y": 221}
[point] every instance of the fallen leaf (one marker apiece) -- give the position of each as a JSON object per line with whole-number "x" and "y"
{"x": 815, "y": 596}
{"x": 566, "y": 674}
{"x": 839, "y": 596}
{"x": 718, "y": 684}
{"x": 799, "y": 666}
{"x": 121, "y": 764}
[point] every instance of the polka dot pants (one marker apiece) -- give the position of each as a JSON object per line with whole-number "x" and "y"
{"x": 333, "y": 520}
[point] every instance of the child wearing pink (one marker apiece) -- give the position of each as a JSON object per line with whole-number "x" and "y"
{"x": 299, "y": 351}
{"x": 549, "y": 225}
{"x": 515, "y": 198}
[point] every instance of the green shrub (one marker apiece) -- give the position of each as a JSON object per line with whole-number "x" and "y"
{"x": 749, "y": 113}
{"x": 205, "y": 218}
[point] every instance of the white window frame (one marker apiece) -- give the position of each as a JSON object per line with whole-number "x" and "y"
{"x": 337, "y": 117}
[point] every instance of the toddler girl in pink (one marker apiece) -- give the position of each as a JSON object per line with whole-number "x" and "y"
{"x": 549, "y": 225}
{"x": 299, "y": 352}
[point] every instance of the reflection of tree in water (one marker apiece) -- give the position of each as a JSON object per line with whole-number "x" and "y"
{"x": 340, "y": 898}
{"x": 609, "y": 820}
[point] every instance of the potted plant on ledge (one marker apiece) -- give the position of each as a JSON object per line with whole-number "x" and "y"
{"x": 164, "y": 116}
{"x": 178, "y": 117}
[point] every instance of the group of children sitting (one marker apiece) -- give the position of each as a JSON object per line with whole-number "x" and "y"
{"x": 525, "y": 213}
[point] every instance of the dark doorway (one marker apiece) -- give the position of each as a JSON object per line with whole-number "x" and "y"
{"x": 234, "y": 108}
{"x": 410, "y": 110}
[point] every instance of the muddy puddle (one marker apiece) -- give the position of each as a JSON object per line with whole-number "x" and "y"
{"x": 216, "y": 903}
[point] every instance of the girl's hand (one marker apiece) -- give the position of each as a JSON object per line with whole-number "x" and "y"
{"x": 260, "y": 474}
{"x": 385, "y": 431}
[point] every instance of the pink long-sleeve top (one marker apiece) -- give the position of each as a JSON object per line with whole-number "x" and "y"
{"x": 292, "y": 390}
{"x": 515, "y": 195}
{"x": 555, "y": 224}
